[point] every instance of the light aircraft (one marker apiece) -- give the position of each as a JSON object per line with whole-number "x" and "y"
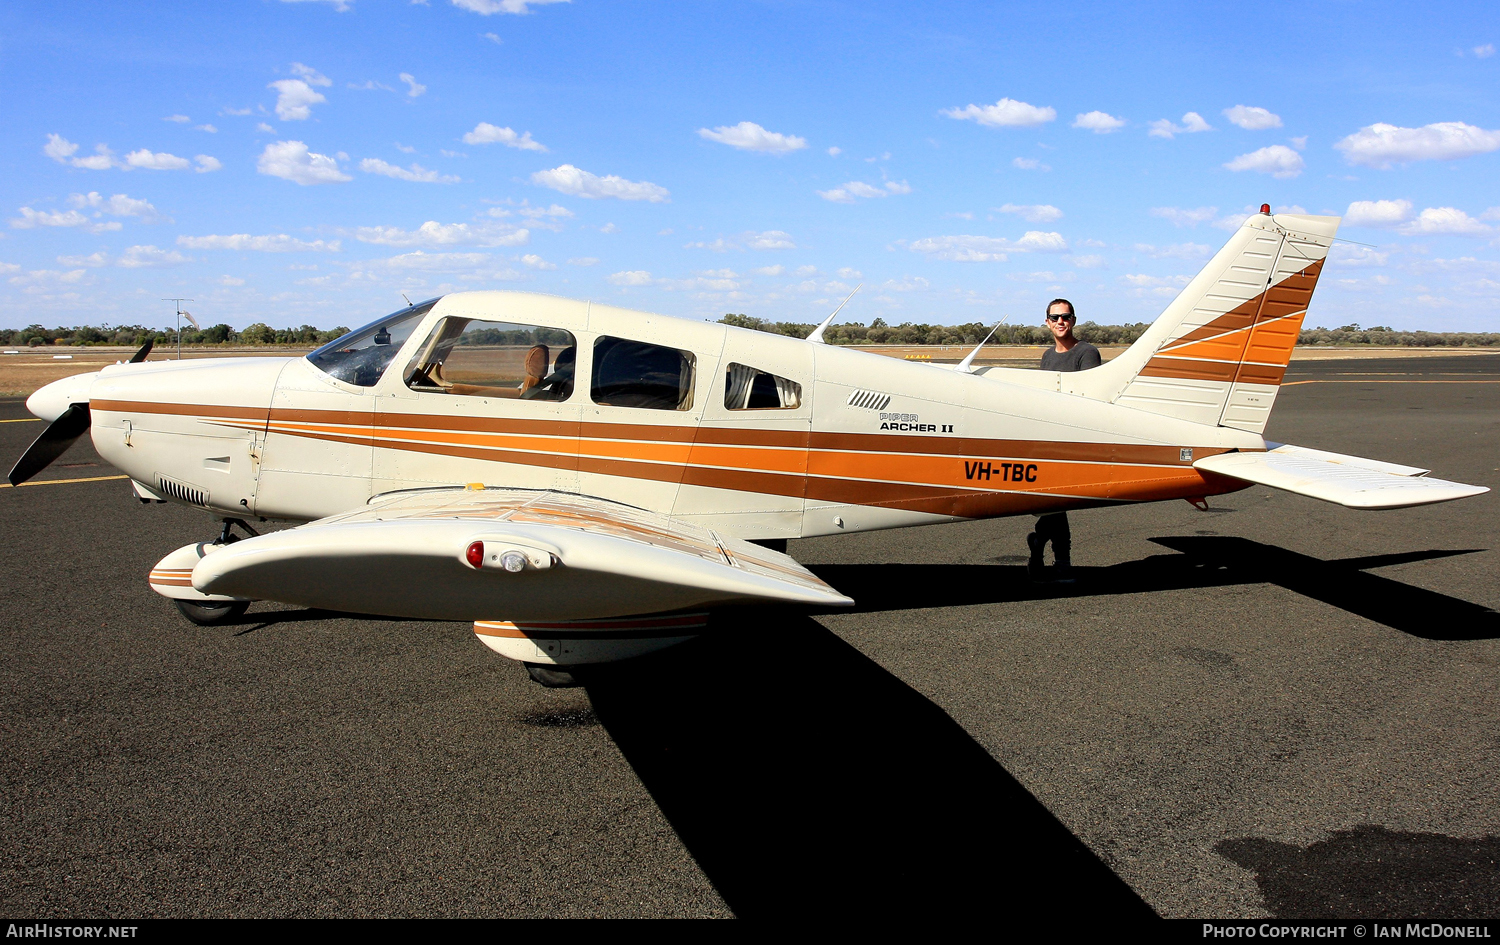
{"x": 585, "y": 483}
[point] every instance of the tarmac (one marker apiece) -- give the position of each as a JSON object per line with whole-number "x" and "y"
{"x": 1277, "y": 707}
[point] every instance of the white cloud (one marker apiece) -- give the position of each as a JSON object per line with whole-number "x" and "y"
{"x": 847, "y": 193}
{"x": 294, "y": 99}
{"x": 536, "y": 262}
{"x": 1158, "y": 285}
{"x": 1029, "y": 164}
{"x": 1006, "y": 113}
{"x": 416, "y": 173}
{"x": 158, "y": 161}
{"x": 310, "y": 75}
{"x": 1180, "y": 217}
{"x": 31, "y": 219}
{"x": 236, "y": 111}
{"x": 775, "y": 270}
{"x": 1344, "y": 254}
{"x": 1278, "y": 160}
{"x": 1176, "y": 251}
{"x": 413, "y": 87}
{"x": 1449, "y": 221}
{"x": 835, "y": 152}
{"x": 807, "y": 270}
{"x": 265, "y": 128}
{"x": 1100, "y": 123}
{"x": 847, "y": 273}
{"x": 208, "y": 128}
{"x": 987, "y": 248}
{"x": 438, "y": 262}
{"x": 48, "y": 276}
{"x": 1381, "y": 145}
{"x": 493, "y": 38}
{"x": 633, "y": 277}
{"x": 149, "y": 257}
{"x": 120, "y": 205}
{"x": 1252, "y": 118}
{"x": 405, "y": 148}
{"x": 486, "y": 133}
{"x": 370, "y": 85}
{"x": 748, "y": 136}
{"x": 271, "y": 243}
{"x": 907, "y": 284}
{"x": 1377, "y": 212}
{"x": 567, "y": 179}
{"x": 208, "y": 164}
{"x": 92, "y": 261}
{"x": 231, "y": 281}
{"x": 433, "y": 233}
{"x": 1191, "y": 122}
{"x": 1088, "y": 262}
{"x": 180, "y": 119}
{"x": 488, "y": 7}
{"x": 1485, "y": 51}
{"x": 770, "y": 239}
{"x": 1300, "y": 143}
{"x": 342, "y": 6}
{"x": 291, "y": 160}
{"x": 584, "y": 261}
{"x": 61, "y": 150}
{"x": 1032, "y": 213}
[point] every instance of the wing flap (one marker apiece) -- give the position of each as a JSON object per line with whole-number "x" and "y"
{"x": 405, "y": 555}
{"x": 1350, "y": 481}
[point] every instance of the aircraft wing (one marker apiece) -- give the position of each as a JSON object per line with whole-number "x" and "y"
{"x": 1350, "y": 481}
{"x": 539, "y": 556}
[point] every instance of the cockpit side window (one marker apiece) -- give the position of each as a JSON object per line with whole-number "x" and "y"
{"x": 361, "y": 357}
{"x": 637, "y": 374}
{"x": 469, "y": 357}
{"x": 748, "y": 388}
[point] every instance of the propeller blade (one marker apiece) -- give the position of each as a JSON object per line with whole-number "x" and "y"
{"x": 54, "y": 441}
{"x": 140, "y": 355}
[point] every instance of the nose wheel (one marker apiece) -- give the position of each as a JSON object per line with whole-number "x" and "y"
{"x": 211, "y": 613}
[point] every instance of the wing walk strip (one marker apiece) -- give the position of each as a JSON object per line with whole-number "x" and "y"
{"x": 917, "y": 473}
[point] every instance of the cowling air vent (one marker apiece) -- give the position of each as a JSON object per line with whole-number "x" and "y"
{"x": 181, "y": 491}
{"x": 869, "y": 399}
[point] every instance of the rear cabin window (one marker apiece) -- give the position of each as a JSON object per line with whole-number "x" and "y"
{"x": 637, "y": 374}
{"x": 469, "y": 357}
{"x": 748, "y": 388}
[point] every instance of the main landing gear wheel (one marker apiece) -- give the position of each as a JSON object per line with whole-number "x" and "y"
{"x": 550, "y": 676}
{"x": 211, "y": 613}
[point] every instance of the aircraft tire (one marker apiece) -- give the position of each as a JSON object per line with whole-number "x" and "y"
{"x": 551, "y": 676}
{"x": 211, "y": 614}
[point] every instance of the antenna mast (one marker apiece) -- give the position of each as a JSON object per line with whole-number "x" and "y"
{"x": 177, "y": 303}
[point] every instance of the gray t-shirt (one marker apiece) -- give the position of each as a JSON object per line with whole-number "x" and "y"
{"x": 1080, "y": 357}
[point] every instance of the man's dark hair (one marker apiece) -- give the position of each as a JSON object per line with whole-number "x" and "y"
{"x": 1048, "y": 309}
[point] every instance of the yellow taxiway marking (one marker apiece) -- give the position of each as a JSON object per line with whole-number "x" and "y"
{"x": 24, "y": 420}
{"x": 1324, "y": 381}
{"x": 54, "y": 482}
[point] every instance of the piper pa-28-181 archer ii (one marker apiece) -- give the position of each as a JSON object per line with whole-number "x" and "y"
{"x": 585, "y": 483}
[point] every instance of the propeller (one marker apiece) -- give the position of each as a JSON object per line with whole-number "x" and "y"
{"x": 53, "y": 442}
{"x": 61, "y": 433}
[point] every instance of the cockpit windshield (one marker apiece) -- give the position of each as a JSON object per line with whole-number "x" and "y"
{"x": 361, "y": 357}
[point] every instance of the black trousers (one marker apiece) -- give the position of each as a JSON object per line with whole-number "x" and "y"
{"x": 1053, "y": 527}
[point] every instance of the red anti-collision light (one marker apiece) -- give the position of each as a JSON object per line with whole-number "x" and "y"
{"x": 475, "y": 554}
{"x": 1266, "y": 209}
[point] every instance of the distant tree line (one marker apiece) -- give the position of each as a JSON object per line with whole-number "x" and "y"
{"x": 257, "y": 334}
{"x": 912, "y": 333}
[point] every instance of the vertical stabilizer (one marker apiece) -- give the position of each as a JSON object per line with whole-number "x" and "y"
{"x": 1218, "y": 353}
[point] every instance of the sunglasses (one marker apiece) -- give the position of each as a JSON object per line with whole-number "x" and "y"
{"x": 1059, "y": 318}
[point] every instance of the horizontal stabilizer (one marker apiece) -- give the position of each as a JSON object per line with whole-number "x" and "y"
{"x": 1350, "y": 481}
{"x": 539, "y": 556}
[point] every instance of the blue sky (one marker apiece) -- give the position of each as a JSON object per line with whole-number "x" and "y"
{"x": 309, "y": 161}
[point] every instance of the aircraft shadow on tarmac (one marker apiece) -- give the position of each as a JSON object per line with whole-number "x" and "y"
{"x": 808, "y": 781}
{"x": 1217, "y": 561}
{"x": 1375, "y": 873}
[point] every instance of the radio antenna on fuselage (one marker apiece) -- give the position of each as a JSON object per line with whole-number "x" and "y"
{"x": 817, "y": 333}
{"x": 965, "y": 366}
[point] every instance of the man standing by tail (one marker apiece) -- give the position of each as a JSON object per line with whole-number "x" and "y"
{"x": 1066, "y": 354}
